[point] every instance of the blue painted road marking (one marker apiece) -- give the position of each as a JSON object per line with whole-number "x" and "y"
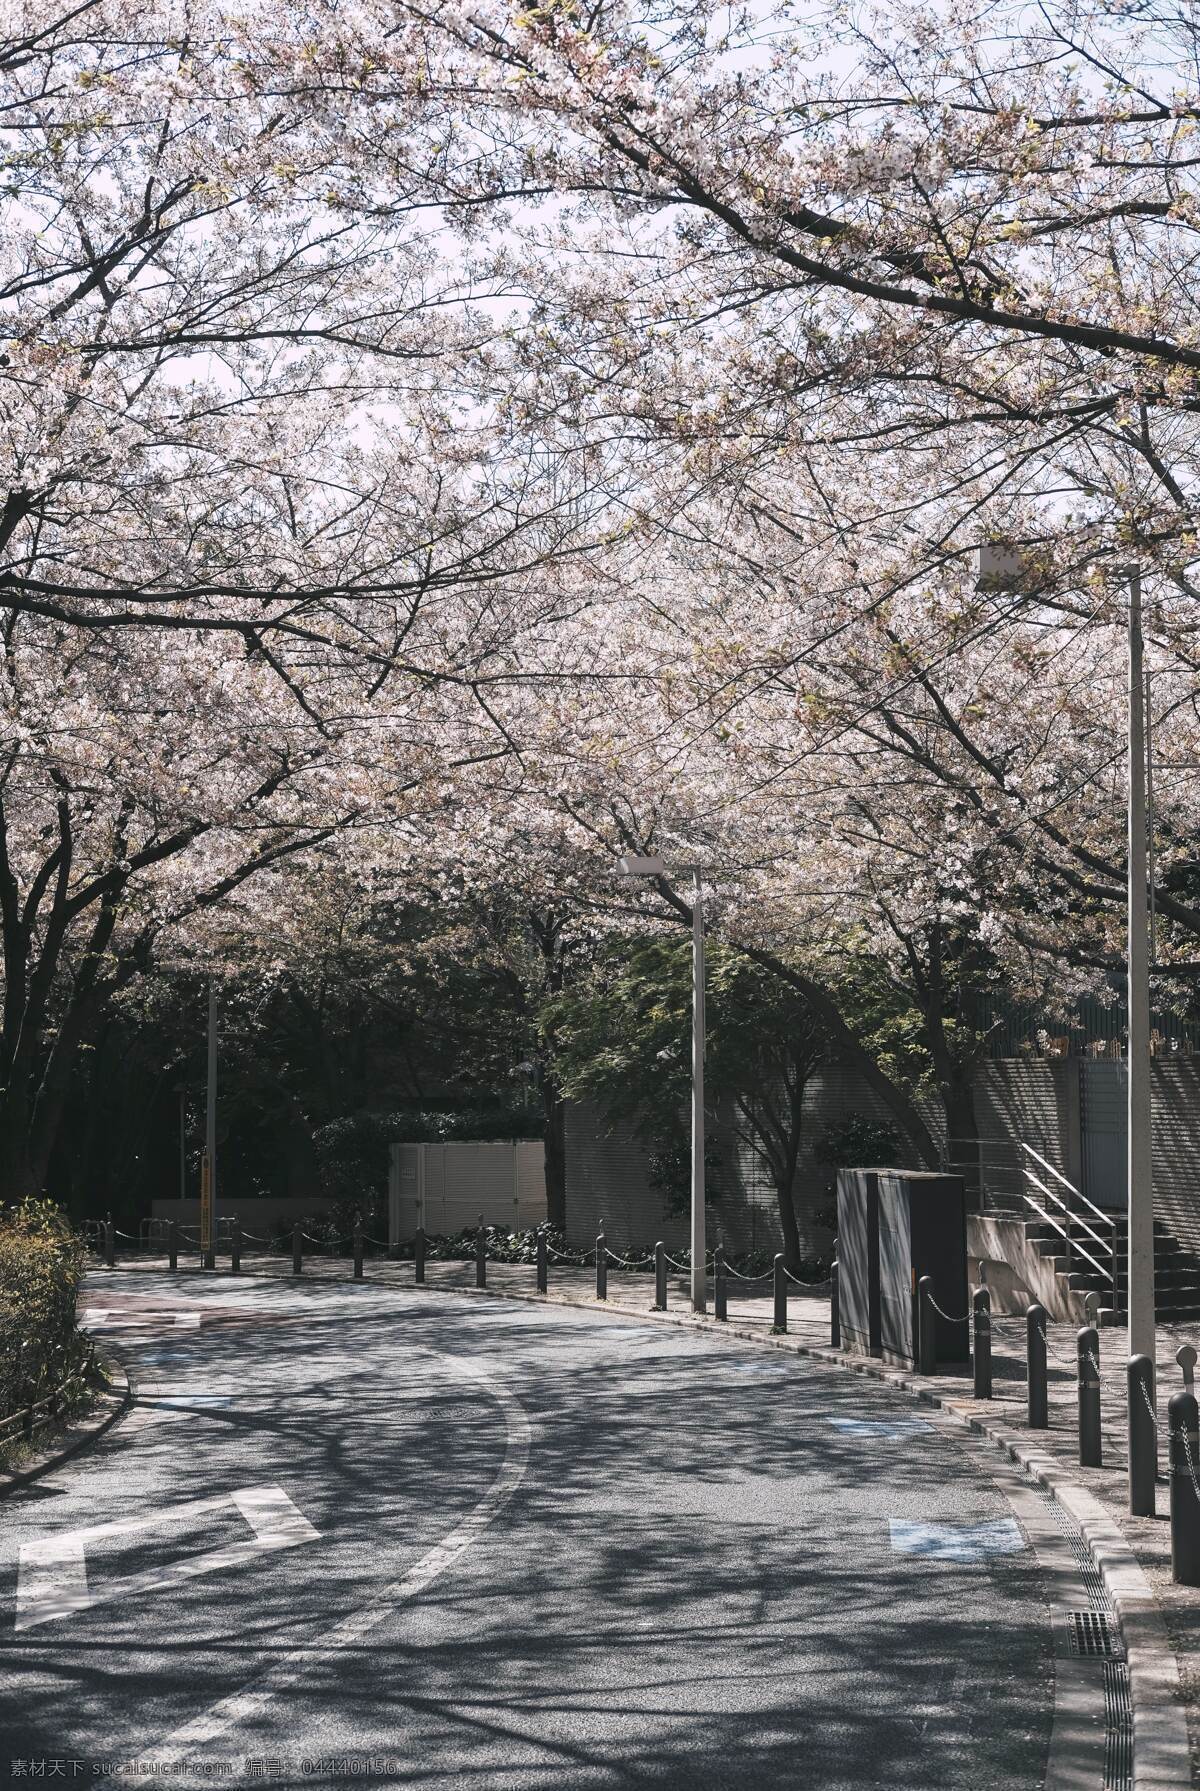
{"x": 956, "y": 1542}
{"x": 880, "y": 1427}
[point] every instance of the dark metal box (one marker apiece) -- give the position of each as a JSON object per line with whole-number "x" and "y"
{"x": 858, "y": 1260}
{"x": 922, "y": 1220}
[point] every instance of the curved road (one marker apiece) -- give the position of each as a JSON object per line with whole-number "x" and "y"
{"x": 416, "y": 1539}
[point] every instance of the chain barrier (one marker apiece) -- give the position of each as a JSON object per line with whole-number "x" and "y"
{"x": 630, "y": 1262}
{"x": 1187, "y": 1452}
{"x": 767, "y": 1275}
{"x": 956, "y": 1321}
{"x": 1095, "y": 1363}
{"x": 796, "y": 1281}
{"x": 1149, "y": 1407}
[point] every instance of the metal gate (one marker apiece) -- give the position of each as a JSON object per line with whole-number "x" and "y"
{"x": 1104, "y": 1122}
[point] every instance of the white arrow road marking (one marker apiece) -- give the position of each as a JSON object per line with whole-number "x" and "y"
{"x": 254, "y": 1697}
{"x": 52, "y": 1579}
{"x": 102, "y": 1318}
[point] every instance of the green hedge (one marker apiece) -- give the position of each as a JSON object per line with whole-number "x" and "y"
{"x": 41, "y": 1264}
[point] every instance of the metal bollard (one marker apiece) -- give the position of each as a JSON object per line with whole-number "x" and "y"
{"x": 541, "y": 1259}
{"x": 601, "y": 1268}
{"x": 1183, "y": 1425}
{"x": 1091, "y": 1447}
{"x": 481, "y": 1254}
{"x": 780, "y": 1296}
{"x": 926, "y": 1333}
{"x": 981, "y": 1310}
{"x": 720, "y": 1291}
{"x": 235, "y": 1248}
{"x": 1035, "y": 1357}
{"x": 419, "y": 1256}
{"x": 297, "y": 1250}
{"x": 173, "y": 1245}
{"x": 1143, "y": 1437}
{"x": 660, "y": 1278}
{"x": 358, "y": 1249}
{"x": 110, "y": 1243}
{"x": 835, "y": 1311}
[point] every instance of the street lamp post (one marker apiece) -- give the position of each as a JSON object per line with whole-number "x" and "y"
{"x": 1141, "y": 1168}
{"x": 1002, "y": 567}
{"x": 208, "y": 1215}
{"x": 634, "y": 865}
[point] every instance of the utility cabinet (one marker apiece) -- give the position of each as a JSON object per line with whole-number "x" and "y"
{"x": 858, "y": 1260}
{"x": 922, "y": 1227}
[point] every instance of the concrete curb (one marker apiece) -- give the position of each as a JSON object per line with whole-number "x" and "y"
{"x": 1161, "y": 1751}
{"x": 113, "y": 1405}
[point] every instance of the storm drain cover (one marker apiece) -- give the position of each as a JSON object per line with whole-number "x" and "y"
{"x": 1091, "y": 1633}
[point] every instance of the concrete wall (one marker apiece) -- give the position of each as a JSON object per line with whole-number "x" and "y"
{"x": 448, "y": 1187}
{"x": 1034, "y": 1100}
{"x": 259, "y": 1215}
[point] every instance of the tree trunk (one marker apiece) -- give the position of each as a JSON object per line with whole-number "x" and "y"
{"x": 962, "y": 1134}
{"x": 787, "y": 1223}
{"x": 16, "y": 1170}
{"x": 555, "y": 1110}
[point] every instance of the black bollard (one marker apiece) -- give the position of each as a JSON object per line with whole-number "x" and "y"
{"x": 1143, "y": 1437}
{"x": 358, "y": 1248}
{"x": 1035, "y": 1357}
{"x": 297, "y": 1250}
{"x": 926, "y": 1331}
{"x": 835, "y": 1311}
{"x": 780, "y": 1296}
{"x": 235, "y": 1248}
{"x": 1183, "y": 1422}
{"x": 173, "y": 1245}
{"x": 481, "y": 1254}
{"x": 601, "y": 1268}
{"x": 419, "y": 1256}
{"x": 660, "y": 1278}
{"x": 542, "y": 1264}
{"x": 720, "y": 1292}
{"x": 1091, "y": 1447}
{"x": 110, "y": 1243}
{"x": 981, "y": 1309}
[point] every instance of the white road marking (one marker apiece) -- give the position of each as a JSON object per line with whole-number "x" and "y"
{"x": 52, "y": 1577}
{"x": 254, "y": 1697}
{"x": 102, "y": 1318}
{"x": 52, "y": 1580}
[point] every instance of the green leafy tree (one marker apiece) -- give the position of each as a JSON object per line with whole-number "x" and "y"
{"x": 622, "y": 1039}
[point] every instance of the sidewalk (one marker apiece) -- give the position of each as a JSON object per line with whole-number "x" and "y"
{"x": 808, "y": 1326}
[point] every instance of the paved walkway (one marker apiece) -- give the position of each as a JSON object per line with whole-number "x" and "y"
{"x": 808, "y": 1324}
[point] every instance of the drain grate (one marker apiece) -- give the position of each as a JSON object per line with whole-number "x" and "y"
{"x": 1091, "y": 1633}
{"x": 1118, "y": 1740}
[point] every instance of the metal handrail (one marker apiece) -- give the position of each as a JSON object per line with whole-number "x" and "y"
{"x": 1062, "y": 1234}
{"x": 1104, "y": 1218}
{"x": 1072, "y": 1218}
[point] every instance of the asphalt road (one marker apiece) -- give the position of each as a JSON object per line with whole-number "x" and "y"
{"x": 352, "y": 1535}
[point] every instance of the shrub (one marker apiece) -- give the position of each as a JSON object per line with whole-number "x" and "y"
{"x": 41, "y": 1264}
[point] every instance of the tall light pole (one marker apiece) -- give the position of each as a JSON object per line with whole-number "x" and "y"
{"x": 633, "y": 865}
{"x": 208, "y": 1210}
{"x": 1141, "y": 1171}
{"x": 1004, "y": 568}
